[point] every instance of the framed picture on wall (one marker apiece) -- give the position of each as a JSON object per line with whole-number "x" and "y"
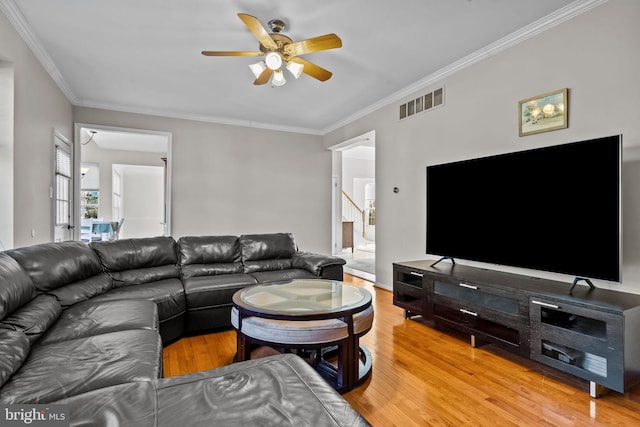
{"x": 544, "y": 113}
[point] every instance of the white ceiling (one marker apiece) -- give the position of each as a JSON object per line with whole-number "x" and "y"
{"x": 114, "y": 139}
{"x": 144, "y": 55}
{"x": 360, "y": 152}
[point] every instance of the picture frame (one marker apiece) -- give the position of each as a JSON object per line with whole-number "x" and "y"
{"x": 544, "y": 113}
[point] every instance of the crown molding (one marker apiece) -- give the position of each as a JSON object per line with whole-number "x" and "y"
{"x": 199, "y": 118}
{"x": 559, "y": 16}
{"x": 15, "y": 16}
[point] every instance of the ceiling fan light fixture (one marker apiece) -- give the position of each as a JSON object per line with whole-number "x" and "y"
{"x": 278, "y": 78}
{"x": 279, "y": 51}
{"x": 295, "y": 68}
{"x": 273, "y": 60}
{"x": 258, "y": 68}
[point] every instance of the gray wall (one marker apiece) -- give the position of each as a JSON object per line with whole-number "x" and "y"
{"x": 6, "y": 155}
{"x": 39, "y": 108}
{"x": 595, "y": 55}
{"x": 239, "y": 180}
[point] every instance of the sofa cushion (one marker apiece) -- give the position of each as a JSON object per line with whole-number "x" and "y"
{"x": 212, "y": 291}
{"x": 167, "y": 294}
{"x": 262, "y": 252}
{"x": 273, "y": 391}
{"x": 209, "y": 255}
{"x": 82, "y": 290}
{"x": 34, "y": 318}
{"x": 141, "y": 276}
{"x": 99, "y": 317}
{"x": 52, "y": 265}
{"x": 279, "y": 391}
{"x": 14, "y": 349}
{"x": 138, "y": 261}
{"x": 282, "y": 275}
{"x": 124, "y": 405}
{"x": 295, "y": 332}
{"x": 17, "y": 288}
{"x": 59, "y": 370}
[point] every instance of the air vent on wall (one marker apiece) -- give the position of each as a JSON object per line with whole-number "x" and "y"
{"x": 421, "y": 104}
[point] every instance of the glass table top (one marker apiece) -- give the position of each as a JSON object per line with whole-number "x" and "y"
{"x": 303, "y": 296}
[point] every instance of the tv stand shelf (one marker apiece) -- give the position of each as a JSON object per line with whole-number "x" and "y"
{"x": 589, "y": 334}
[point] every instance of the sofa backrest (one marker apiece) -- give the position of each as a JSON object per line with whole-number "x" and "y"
{"x": 21, "y": 308}
{"x": 16, "y": 288}
{"x": 209, "y": 255}
{"x": 70, "y": 271}
{"x": 35, "y": 317}
{"x": 138, "y": 261}
{"x": 52, "y": 265}
{"x": 266, "y": 252}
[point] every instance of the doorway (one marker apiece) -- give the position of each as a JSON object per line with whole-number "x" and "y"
{"x": 125, "y": 181}
{"x": 354, "y": 216}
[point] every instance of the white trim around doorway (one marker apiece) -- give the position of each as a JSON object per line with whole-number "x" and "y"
{"x": 77, "y": 160}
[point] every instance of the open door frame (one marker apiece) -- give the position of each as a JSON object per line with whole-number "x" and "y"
{"x": 77, "y": 160}
{"x": 367, "y": 138}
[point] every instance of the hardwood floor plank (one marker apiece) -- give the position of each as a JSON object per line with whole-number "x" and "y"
{"x": 427, "y": 377}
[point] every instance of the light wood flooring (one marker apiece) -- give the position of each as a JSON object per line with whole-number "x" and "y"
{"x": 424, "y": 377}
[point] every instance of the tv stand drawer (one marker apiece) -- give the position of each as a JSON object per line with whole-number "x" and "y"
{"x": 477, "y": 296}
{"x": 473, "y": 323}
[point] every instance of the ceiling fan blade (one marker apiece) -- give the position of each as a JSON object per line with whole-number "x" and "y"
{"x": 258, "y": 31}
{"x": 328, "y": 41}
{"x": 313, "y": 70}
{"x": 230, "y": 53}
{"x": 264, "y": 77}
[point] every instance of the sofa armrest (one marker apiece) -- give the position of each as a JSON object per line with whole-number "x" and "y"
{"x": 318, "y": 264}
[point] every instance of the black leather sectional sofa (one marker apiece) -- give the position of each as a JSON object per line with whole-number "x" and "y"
{"x": 84, "y": 325}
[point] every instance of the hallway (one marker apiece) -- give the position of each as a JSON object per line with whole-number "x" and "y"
{"x": 361, "y": 263}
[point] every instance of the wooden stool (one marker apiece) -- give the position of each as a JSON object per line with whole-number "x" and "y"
{"x": 296, "y": 335}
{"x": 362, "y": 323}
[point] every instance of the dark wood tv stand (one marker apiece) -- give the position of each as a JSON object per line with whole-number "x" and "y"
{"x": 591, "y": 333}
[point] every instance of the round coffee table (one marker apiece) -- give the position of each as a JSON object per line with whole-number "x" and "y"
{"x": 303, "y": 300}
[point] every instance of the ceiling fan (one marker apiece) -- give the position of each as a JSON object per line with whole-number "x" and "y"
{"x": 279, "y": 50}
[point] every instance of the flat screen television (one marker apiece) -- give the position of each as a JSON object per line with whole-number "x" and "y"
{"x": 555, "y": 209}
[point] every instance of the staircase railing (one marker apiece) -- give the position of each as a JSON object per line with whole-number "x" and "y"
{"x": 352, "y": 212}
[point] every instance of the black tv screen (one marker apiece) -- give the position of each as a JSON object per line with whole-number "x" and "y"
{"x": 555, "y": 209}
